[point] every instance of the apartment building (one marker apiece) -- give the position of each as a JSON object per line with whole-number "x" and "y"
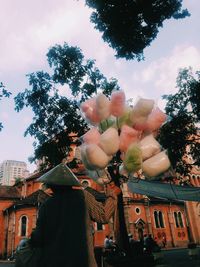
{"x": 10, "y": 170}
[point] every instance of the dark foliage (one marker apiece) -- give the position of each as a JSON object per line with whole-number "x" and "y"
{"x": 80, "y": 75}
{"x": 129, "y": 26}
{"x": 181, "y": 134}
{"x": 57, "y": 118}
{"x": 3, "y": 93}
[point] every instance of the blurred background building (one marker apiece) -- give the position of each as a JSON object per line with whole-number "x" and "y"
{"x": 12, "y": 170}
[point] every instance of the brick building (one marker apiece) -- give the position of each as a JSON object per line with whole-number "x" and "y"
{"x": 175, "y": 220}
{"x": 8, "y": 195}
{"x": 193, "y": 208}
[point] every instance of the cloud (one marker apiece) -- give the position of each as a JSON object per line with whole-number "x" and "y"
{"x": 160, "y": 75}
{"x": 35, "y": 26}
{"x": 4, "y": 115}
{"x": 30, "y": 31}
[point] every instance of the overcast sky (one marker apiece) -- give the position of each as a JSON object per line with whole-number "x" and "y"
{"x": 29, "y": 28}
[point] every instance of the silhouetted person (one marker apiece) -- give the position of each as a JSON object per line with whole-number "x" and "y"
{"x": 164, "y": 241}
{"x": 150, "y": 244}
{"x": 106, "y": 242}
{"x": 63, "y": 231}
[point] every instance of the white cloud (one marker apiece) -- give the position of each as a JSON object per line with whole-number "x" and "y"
{"x": 160, "y": 75}
{"x": 26, "y": 37}
{"x": 4, "y": 115}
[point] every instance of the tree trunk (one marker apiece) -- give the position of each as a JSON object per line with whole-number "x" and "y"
{"x": 120, "y": 229}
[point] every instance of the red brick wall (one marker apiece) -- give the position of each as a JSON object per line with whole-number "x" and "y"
{"x": 3, "y": 205}
{"x": 134, "y": 212}
{"x": 15, "y": 226}
{"x": 30, "y": 213}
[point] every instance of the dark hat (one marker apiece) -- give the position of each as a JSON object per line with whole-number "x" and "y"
{"x": 59, "y": 175}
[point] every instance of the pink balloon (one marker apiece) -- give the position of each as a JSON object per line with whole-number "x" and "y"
{"x": 92, "y": 117}
{"x": 117, "y": 106}
{"x": 96, "y": 157}
{"x": 87, "y": 105}
{"x": 92, "y": 136}
{"x": 140, "y": 123}
{"x": 156, "y": 165}
{"x": 156, "y": 119}
{"x": 128, "y": 135}
{"x": 89, "y": 108}
{"x": 102, "y": 106}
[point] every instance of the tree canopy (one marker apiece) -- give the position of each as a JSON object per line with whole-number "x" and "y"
{"x": 129, "y": 26}
{"x": 181, "y": 135}
{"x": 57, "y": 116}
{"x": 3, "y": 93}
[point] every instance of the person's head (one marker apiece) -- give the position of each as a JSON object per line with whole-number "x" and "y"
{"x": 111, "y": 237}
{"x": 107, "y": 236}
{"x": 59, "y": 177}
{"x": 57, "y": 189}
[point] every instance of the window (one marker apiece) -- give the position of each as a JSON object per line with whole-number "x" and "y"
{"x": 99, "y": 226}
{"x": 137, "y": 210}
{"x": 85, "y": 184}
{"x": 178, "y": 219}
{"x": 158, "y": 217}
{"x": 23, "y": 226}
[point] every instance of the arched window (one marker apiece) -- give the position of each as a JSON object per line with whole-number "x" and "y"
{"x": 23, "y": 226}
{"x": 158, "y": 217}
{"x": 180, "y": 219}
{"x": 161, "y": 219}
{"x": 85, "y": 184}
{"x": 99, "y": 226}
{"x": 176, "y": 219}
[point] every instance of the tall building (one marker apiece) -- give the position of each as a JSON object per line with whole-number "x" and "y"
{"x": 10, "y": 170}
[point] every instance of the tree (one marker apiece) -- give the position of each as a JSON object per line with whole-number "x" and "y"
{"x": 57, "y": 116}
{"x": 3, "y": 93}
{"x": 17, "y": 180}
{"x": 181, "y": 135}
{"x": 129, "y": 26}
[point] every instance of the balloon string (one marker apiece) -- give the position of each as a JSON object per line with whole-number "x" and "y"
{"x": 117, "y": 122}
{"x": 107, "y": 123}
{"x": 97, "y": 173}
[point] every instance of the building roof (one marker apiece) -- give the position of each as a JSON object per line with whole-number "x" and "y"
{"x": 38, "y": 196}
{"x": 33, "y": 176}
{"x": 9, "y": 192}
{"x": 34, "y": 199}
{"x": 155, "y": 200}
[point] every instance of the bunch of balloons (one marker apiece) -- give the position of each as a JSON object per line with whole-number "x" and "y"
{"x": 117, "y": 126}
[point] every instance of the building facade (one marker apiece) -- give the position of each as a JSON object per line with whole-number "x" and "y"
{"x": 193, "y": 208}
{"x": 10, "y": 170}
{"x": 175, "y": 221}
